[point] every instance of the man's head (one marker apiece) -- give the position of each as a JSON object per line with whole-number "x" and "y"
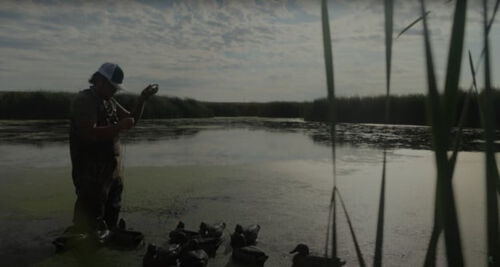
{"x": 107, "y": 80}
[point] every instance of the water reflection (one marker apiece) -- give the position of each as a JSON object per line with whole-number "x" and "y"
{"x": 392, "y": 136}
{"x": 241, "y": 171}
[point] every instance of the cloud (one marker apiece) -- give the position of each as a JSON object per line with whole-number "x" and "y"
{"x": 218, "y": 50}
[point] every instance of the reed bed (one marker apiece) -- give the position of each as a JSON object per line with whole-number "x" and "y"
{"x": 441, "y": 113}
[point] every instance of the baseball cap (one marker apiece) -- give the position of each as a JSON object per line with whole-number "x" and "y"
{"x": 113, "y": 73}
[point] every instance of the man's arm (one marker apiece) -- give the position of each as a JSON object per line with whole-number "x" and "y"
{"x": 149, "y": 91}
{"x": 84, "y": 115}
{"x": 88, "y": 129}
{"x": 136, "y": 113}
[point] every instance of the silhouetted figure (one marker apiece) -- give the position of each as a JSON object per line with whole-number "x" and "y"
{"x": 303, "y": 259}
{"x": 97, "y": 120}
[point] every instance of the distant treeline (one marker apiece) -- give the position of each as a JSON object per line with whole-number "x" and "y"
{"x": 406, "y": 109}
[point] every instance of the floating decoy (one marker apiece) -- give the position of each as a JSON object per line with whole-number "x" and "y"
{"x": 160, "y": 257}
{"x": 209, "y": 244}
{"x": 303, "y": 259}
{"x": 249, "y": 233}
{"x": 180, "y": 235}
{"x": 238, "y": 239}
{"x": 102, "y": 233}
{"x": 70, "y": 239}
{"x": 121, "y": 238}
{"x": 215, "y": 230}
{"x": 249, "y": 255}
{"x": 121, "y": 224}
{"x": 192, "y": 255}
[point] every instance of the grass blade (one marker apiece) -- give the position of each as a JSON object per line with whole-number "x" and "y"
{"x": 359, "y": 254}
{"x": 413, "y": 23}
{"x": 325, "y": 21}
{"x": 377, "y": 259}
{"x": 492, "y": 17}
{"x": 430, "y": 255}
{"x": 473, "y": 72}
{"x": 379, "y": 240}
{"x": 445, "y": 210}
{"x": 454, "y": 61}
{"x": 493, "y": 236}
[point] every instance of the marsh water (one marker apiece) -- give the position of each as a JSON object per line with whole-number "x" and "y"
{"x": 273, "y": 172}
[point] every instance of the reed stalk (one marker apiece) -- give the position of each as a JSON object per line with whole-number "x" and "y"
{"x": 493, "y": 237}
{"x": 441, "y": 113}
{"x": 328, "y": 56}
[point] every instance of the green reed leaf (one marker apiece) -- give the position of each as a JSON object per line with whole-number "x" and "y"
{"x": 359, "y": 254}
{"x": 379, "y": 239}
{"x": 328, "y": 56}
{"x": 440, "y": 116}
{"x": 413, "y": 23}
{"x": 493, "y": 234}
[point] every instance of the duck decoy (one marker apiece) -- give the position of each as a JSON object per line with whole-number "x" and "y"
{"x": 180, "y": 235}
{"x": 238, "y": 239}
{"x": 250, "y": 233}
{"x": 192, "y": 255}
{"x": 70, "y": 239}
{"x": 215, "y": 230}
{"x": 102, "y": 233}
{"x": 249, "y": 255}
{"x": 123, "y": 239}
{"x": 303, "y": 259}
{"x": 121, "y": 224}
{"x": 160, "y": 257}
{"x": 209, "y": 244}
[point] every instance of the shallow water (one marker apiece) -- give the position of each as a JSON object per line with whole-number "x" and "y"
{"x": 276, "y": 173}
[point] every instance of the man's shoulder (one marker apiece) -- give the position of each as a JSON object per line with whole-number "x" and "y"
{"x": 85, "y": 96}
{"x": 84, "y": 102}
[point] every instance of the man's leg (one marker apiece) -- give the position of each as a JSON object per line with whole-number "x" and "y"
{"x": 113, "y": 202}
{"x": 90, "y": 202}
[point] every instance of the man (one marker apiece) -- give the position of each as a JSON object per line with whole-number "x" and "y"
{"x": 97, "y": 120}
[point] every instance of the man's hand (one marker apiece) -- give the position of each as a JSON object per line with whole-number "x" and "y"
{"x": 126, "y": 123}
{"x": 149, "y": 91}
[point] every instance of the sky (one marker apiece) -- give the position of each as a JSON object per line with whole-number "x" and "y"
{"x": 228, "y": 50}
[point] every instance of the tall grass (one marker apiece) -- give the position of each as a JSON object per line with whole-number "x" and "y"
{"x": 389, "y": 14}
{"x": 441, "y": 114}
{"x": 328, "y": 56}
{"x": 493, "y": 237}
{"x": 441, "y": 111}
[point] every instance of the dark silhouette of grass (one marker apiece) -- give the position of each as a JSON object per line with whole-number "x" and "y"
{"x": 330, "y": 88}
{"x": 379, "y": 239}
{"x": 493, "y": 234}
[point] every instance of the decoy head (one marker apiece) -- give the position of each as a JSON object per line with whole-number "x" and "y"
{"x": 238, "y": 240}
{"x": 302, "y": 249}
{"x": 122, "y": 224}
{"x": 238, "y": 229}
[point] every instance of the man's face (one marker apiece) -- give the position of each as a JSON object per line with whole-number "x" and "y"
{"x": 106, "y": 89}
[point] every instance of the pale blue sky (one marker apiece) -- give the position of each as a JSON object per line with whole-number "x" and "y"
{"x": 221, "y": 50}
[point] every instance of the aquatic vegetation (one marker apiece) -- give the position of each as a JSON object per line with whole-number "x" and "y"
{"x": 441, "y": 110}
